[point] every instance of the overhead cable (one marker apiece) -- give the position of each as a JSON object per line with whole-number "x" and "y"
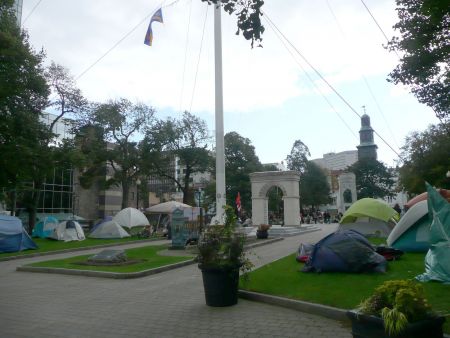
{"x": 326, "y": 82}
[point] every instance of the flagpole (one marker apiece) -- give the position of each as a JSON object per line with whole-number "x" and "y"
{"x": 220, "y": 146}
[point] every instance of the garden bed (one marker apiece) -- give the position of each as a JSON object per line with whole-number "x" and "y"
{"x": 49, "y": 246}
{"x": 146, "y": 258}
{"x": 283, "y": 278}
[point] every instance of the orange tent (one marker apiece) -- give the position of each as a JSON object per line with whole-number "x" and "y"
{"x": 423, "y": 196}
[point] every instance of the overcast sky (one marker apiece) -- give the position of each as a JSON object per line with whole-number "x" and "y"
{"x": 268, "y": 97}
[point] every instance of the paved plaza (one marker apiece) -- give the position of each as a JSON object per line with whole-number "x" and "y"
{"x": 169, "y": 304}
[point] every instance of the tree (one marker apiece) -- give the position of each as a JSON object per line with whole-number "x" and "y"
{"x": 298, "y": 158}
{"x": 426, "y": 158}
{"x": 240, "y": 161}
{"x": 314, "y": 187}
{"x": 186, "y": 140}
{"x": 23, "y": 96}
{"x": 425, "y": 44}
{"x": 373, "y": 179}
{"x": 248, "y": 14}
{"x": 66, "y": 98}
{"x": 119, "y": 122}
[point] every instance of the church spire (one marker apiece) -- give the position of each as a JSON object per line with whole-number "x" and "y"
{"x": 367, "y": 149}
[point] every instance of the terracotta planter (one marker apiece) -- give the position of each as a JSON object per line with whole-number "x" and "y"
{"x": 221, "y": 285}
{"x": 373, "y": 327}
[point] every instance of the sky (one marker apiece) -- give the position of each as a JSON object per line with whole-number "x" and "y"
{"x": 271, "y": 95}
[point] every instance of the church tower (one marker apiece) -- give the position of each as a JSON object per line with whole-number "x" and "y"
{"x": 367, "y": 149}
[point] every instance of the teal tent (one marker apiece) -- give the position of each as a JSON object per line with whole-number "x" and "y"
{"x": 45, "y": 228}
{"x": 437, "y": 260}
{"x": 412, "y": 232}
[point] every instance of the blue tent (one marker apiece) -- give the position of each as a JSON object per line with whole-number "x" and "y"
{"x": 13, "y": 236}
{"x": 45, "y": 228}
{"x": 345, "y": 251}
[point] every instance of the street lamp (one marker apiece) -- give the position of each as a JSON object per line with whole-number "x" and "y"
{"x": 138, "y": 183}
{"x": 448, "y": 174}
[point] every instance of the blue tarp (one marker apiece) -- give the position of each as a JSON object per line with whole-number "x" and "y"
{"x": 437, "y": 260}
{"x": 13, "y": 236}
{"x": 345, "y": 251}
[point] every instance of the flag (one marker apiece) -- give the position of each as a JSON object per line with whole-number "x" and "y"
{"x": 149, "y": 35}
{"x": 238, "y": 202}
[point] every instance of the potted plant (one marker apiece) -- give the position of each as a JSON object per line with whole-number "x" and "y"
{"x": 221, "y": 256}
{"x": 397, "y": 308}
{"x": 263, "y": 231}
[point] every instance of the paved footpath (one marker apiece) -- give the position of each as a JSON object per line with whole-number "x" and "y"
{"x": 169, "y": 304}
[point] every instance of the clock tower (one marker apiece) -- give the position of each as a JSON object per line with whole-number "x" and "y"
{"x": 367, "y": 149}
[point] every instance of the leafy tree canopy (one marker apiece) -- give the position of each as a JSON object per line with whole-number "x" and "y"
{"x": 117, "y": 124}
{"x": 23, "y": 96}
{"x": 426, "y": 158}
{"x": 248, "y": 14}
{"x": 373, "y": 179}
{"x": 185, "y": 139}
{"x": 314, "y": 187}
{"x": 424, "y": 44}
{"x": 240, "y": 161}
{"x": 298, "y": 158}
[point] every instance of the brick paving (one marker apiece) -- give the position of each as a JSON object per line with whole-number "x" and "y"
{"x": 169, "y": 304}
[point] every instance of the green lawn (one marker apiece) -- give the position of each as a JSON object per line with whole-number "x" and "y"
{"x": 342, "y": 290}
{"x": 46, "y": 245}
{"x": 149, "y": 253}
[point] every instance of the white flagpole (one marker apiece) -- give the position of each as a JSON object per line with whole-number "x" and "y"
{"x": 220, "y": 146}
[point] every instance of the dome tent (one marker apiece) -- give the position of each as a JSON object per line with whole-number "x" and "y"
{"x": 44, "y": 228}
{"x": 369, "y": 217}
{"x": 130, "y": 217}
{"x": 13, "y": 236}
{"x": 344, "y": 251}
{"x": 108, "y": 229}
{"x": 412, "y": 232}
{"x": 68, "y": 231}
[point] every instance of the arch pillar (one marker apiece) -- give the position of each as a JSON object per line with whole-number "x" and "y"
{"x": 288, "y": 181}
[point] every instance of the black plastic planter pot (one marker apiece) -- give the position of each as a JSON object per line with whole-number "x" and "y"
{"x": 221, "y": 286}
{"x": 373, "y": 327}
{"x": 262, "y": 234}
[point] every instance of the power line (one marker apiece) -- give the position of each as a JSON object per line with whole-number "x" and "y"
{"x": 363, "y": 77}
{"x": 311, "y": 80}
{"x": 198, "y": 61}
{"x": 185, "y": 57}
{"x": 31, "y": 12}
{"x": 326, "y": 82}
{"x": 124, "y": 37}
{"x": 379, "y": 27}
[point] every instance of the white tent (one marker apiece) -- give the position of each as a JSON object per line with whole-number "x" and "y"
{"x": 130, "y": 217}
{"x": 167, "y": 207}
{"x": 109, "y": 229}
{"x": 68, "y": 231}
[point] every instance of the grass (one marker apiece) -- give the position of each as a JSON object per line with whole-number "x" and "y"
{"x": 47, "y": 245}
{"x": 149, "y": 253}
{"x": 342, "y": 290}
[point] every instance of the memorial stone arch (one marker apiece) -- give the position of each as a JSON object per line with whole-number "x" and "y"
{"x": 288, "y": 182}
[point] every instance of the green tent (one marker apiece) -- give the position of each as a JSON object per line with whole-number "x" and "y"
{"x": 437, "y": 260}
{"x": 369, "y": 207}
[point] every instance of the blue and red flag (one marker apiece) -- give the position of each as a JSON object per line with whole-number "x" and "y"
{"x": 149, "y": 35}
